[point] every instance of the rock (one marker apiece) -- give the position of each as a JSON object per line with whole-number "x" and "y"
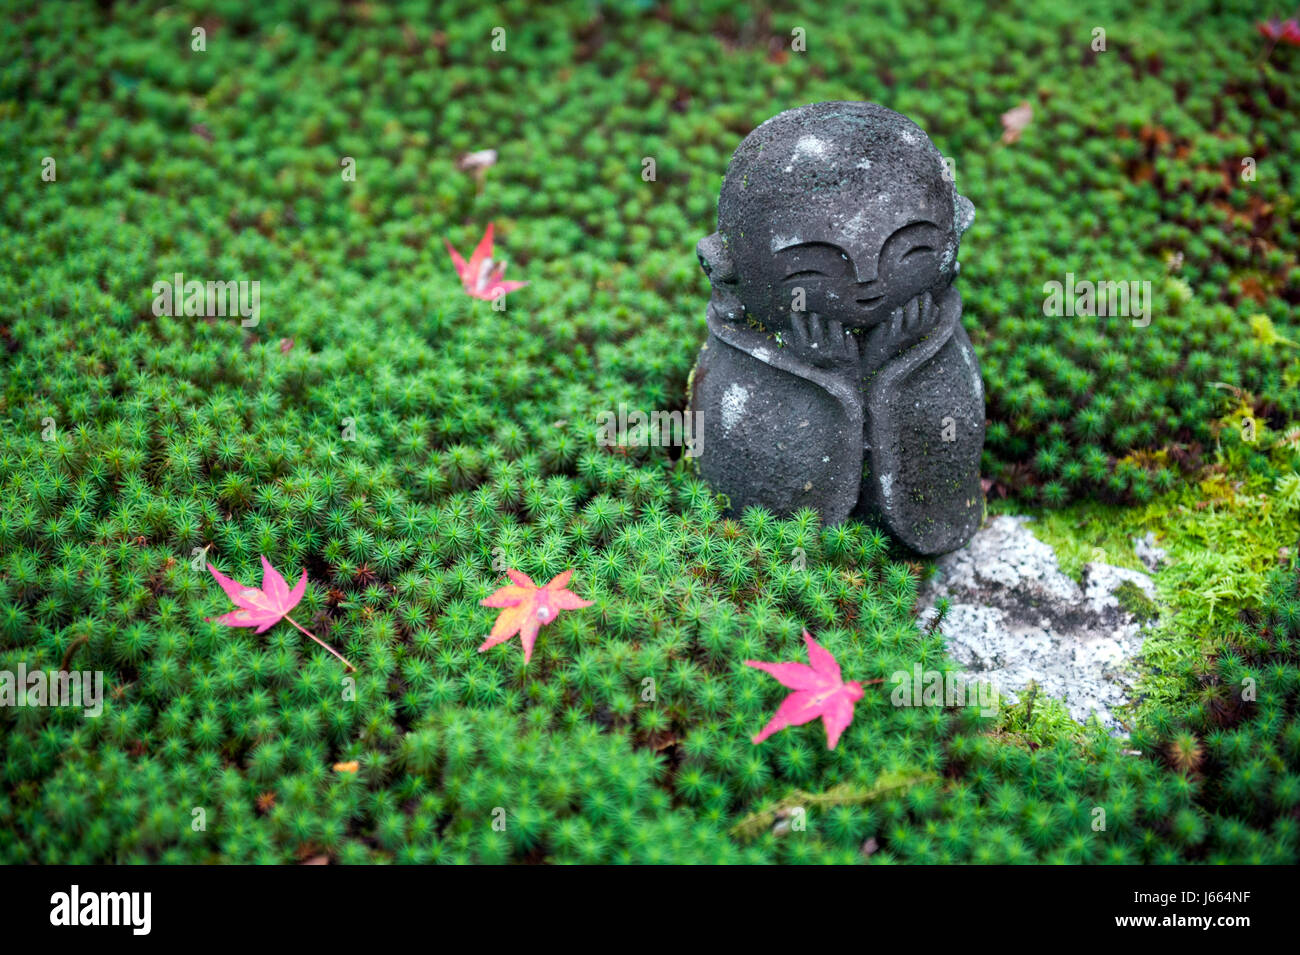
{"x": 1015, "y": 619}
{"x": 1146, "y": 550}
{"x": 837, "y": 374}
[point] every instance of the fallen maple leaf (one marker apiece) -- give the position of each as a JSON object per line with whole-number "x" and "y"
{"x": 482, "y": 277}
{"x": 265, "y": 608}
{"x": 529, "y": 608}
{"x": 1286, "y": 31}
{"x": 819, "y": 691}
{"x": 1015, "y": 120}
{"x": 477, "y": 161}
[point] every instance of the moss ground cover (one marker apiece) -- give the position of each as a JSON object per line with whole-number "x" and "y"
{"x": 406, "y": 443}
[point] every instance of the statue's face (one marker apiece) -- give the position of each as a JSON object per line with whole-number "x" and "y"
{"x": 853, "y": 260}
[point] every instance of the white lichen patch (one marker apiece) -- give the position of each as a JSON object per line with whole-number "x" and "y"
{"x": 809, "y": 147}
{"x": 887, "y": 488}
{"x": 976, "y": 382}
{"x": 733, "y": 406}
{"x": 1016, "y": 619}
{"x": 1147, "y": 551}
{"x": 853, "y": 228}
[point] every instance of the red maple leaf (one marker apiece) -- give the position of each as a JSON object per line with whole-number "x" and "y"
{"x": 528, "y": 608}
{"x": 819, "y": 691}
{"x": 482, "y": 277}
{"x": 265, "y": 608}
{"x": 1286, "y": 31}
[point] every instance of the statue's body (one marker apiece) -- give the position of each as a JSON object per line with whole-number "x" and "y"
{"x": 837, "y": 374}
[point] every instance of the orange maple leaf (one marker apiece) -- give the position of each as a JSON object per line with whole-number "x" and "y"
{"x": 528, "y": 608}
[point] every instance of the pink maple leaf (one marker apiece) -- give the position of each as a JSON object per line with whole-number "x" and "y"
{"x": 819, "y": 690}
{"x": 528, "y": 608}
{"x": 265, "y": 608}
{"x": 482, "y": 277}
{"x": 1286, "y": 31}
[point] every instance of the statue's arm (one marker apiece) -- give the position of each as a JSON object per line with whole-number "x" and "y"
{"x": 836, "y": 355}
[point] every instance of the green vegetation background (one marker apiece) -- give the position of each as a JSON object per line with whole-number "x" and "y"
{"x": 475, "y": 432}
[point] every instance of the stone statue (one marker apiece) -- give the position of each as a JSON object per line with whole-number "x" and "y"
{"x": 837, "y": 374}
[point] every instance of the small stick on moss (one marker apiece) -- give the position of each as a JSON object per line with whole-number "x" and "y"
{"x": 845, "y": 794}
{"x": 72, "y": 648}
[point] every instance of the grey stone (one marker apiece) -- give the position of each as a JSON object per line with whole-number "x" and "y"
{"x": 1146, "y": 550}
{"x": 1015, "y": 618}
{"x": 837, "y": 374}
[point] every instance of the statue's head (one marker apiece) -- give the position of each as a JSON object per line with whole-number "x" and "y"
{"x": 849, "y": 202}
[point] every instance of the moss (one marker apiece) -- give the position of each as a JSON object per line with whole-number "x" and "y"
{"x": 1133, "y": 601}
{"x": 1036, "y": 720}
{"x": 403, "y": 442}
{"x": 1225, "y": 533}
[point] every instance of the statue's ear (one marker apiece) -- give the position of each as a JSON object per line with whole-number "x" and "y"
{"x": 963, "y": 213}
{"x": 715, "y": 260}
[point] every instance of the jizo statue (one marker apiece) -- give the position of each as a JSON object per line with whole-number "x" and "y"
{"x": 837, "y": 374}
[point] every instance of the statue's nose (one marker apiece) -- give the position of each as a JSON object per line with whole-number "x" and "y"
{"x": 864, "y": 269}
{"x": 868, "y": 293}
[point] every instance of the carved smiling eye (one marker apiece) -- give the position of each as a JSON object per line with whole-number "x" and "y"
{"x": 914, "y": 246}
{"x": 813, "y": 260}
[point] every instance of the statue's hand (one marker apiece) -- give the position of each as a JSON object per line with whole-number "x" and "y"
{"x": 909, "y": 325}
{"x": 823, "y": 344}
